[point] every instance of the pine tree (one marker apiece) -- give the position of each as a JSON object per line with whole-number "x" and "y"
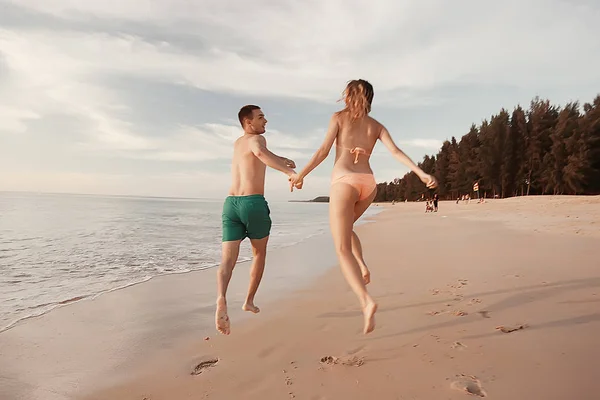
{"x": 542, "y": 119}
{"x": 442, "y": 165}
{"x": 518, "y": 140}
{"x": 556, "y": 160}
{"x": 499, "y": 126}
{"x": 513, "y": 153}
{"x": 591, "y": 131}
{"x": 469, "y": 148}
{"x": 487, "y": 164}
{"x": 455, "y": 169}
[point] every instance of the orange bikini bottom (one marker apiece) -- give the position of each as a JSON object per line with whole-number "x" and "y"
{"x": 364, "y": 183}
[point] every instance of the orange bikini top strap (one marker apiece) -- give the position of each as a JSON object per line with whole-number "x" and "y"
{"x": 357, "y": 151}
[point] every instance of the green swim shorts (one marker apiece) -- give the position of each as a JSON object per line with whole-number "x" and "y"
{"x": 246, "y": 216}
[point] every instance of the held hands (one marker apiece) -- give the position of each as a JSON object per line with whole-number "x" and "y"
{"x": 295, "y": 181}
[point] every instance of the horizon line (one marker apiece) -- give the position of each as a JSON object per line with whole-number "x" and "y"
{"x": 29, "y": 192}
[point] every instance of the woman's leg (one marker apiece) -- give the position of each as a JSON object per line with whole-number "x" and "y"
{"x": 342, "y": 201}
{"x": 359, "y": 208}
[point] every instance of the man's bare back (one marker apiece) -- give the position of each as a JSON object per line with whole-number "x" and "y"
{"x": 246, "y": 212}
{"x": 247, "y": 170}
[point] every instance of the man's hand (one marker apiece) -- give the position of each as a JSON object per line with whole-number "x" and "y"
{"x": 429, "y": 181}
{"x": 295, "y": 181}
{"x": 289, "y": 163}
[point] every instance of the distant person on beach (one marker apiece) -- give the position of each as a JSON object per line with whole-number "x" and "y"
{"x": 435, "y": 202}
{"x": 246, "y": 213}
{"x": 428, "y": 206}
{"x": 353, "y": 185}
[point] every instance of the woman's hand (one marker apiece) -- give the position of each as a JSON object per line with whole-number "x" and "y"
{"x": 429, "y": 181}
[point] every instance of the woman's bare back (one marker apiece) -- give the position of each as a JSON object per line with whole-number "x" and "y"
{"x": 354, "y": 143}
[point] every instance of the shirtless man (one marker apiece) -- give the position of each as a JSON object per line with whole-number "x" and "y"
{"x": 245, "y": 211}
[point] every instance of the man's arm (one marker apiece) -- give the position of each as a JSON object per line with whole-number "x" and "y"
{"x": 258, "y": 146}
{"x": 287, "y": 161}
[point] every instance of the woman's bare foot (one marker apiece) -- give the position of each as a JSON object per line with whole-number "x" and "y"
{"x": 369, "y": 313}
{"x": 222, "y": 319}
{"x": 249, "y": 306}
{"x": 366, "y": 274}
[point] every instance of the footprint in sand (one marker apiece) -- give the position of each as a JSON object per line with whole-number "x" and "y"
{"x": 288, "y": 380}
{"x": 469, "y": 384}
{"x": 202, "y": 366}
{"x": 349, "y": 361}
{"x": 459, "y": 346}
{"x": 460, "y": 284}
{"x": 513, "y": 328}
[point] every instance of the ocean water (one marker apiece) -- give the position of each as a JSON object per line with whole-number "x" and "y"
{"x": 57, "y": 249}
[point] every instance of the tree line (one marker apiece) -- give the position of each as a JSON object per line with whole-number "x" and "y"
{"x": 546, "y": 149}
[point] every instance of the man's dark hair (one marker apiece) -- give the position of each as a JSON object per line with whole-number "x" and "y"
{"x": 246, "y": 112}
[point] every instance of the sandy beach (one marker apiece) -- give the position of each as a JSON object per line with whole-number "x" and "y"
{"x": 498, "y": 300}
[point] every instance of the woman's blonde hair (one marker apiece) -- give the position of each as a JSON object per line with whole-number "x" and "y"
{"x": 358, "y": 97}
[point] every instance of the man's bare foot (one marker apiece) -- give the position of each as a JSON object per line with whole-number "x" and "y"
{"x": 249, "y": 306}
{"x": 366, "y": 274}
{"x": 222, "y": 319}
{"x": 369, "y": 313}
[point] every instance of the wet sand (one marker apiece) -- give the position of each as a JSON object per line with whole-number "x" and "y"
{"x": 76, "y": 348}
{"x": 497, "y": 300}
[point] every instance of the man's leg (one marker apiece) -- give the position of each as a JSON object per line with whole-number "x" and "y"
{"x": 259, "y": 250}
{"x": 230, "y": 252}
{"x": 258, "y": 225}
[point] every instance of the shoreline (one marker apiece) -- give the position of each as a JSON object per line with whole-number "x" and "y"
{"x": 437, "y": 333}
{"x": 63, "y": 302}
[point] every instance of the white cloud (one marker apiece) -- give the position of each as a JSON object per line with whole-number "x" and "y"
{"x": 205, "y": 142}
{"x": 380, "y": 41}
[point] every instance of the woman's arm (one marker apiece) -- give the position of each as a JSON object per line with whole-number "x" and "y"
{"x": 323, "y": 151}
{"x": 387, "y": 140}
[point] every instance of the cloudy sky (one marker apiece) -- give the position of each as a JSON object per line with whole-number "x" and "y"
{"x": 141, "y": 97}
